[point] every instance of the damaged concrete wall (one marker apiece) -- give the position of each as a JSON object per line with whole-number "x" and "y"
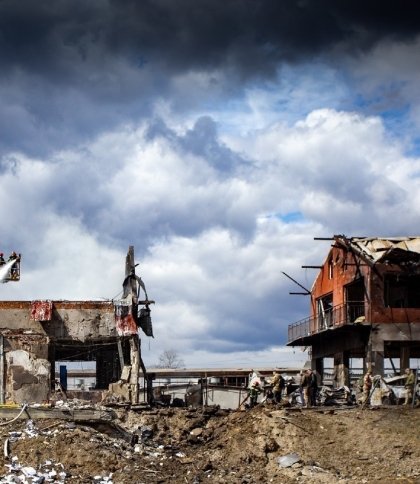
{"x": 78, "y": 320}
{"x": 27, "y": 376}
{"x": 27, "y": 372}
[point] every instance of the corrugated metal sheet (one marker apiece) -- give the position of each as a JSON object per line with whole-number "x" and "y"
{"x": 379, "y": 249}
{"x": 41, "y": 310}
{"x": 413, "y": 245}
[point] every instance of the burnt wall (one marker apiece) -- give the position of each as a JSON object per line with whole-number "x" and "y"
{"x": 340, "y": 268}
{"x": 27, "y": 369}
{"x": 378, "y": 312}
{"x": 28, "y": 343}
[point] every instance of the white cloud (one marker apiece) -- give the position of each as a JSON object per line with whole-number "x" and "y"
{"x": 64, "y": 261}
{"x": 387, "y": 78}
{"x": 341, "y": 169}
{"x": 211, "y": 245}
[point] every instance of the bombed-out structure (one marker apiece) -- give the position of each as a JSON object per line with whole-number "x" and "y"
{"x": 364, "y": 303}
{"x": 34, "y": 335}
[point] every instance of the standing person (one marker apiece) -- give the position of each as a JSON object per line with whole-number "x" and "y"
{"x": 304, "y": 389}
{"x": 251, "y": 376}
{"x": 254, "y": 391}
{"x": 282, "y": 385}
{"x": 367, "y": 385}
{"x": 312, "y": 388}
{"x": 14, "y": 268}
{"x": 278, "y": 385}
{"x": 2, "y": 261}
{"x": 409, "y": 386}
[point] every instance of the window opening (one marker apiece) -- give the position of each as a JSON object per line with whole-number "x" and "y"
{"x": 330, "y": 268}
{"x": 355, "y": 297}
{"x": 402, "y": 291}
{"x": 325, "y": 307}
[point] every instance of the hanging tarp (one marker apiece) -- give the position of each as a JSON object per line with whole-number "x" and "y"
{"x": 145, "y": 321}
{"x": 124, "y": 320}
{"x": 41, "y": 310}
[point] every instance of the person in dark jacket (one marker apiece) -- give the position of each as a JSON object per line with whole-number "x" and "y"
{"x": 312, "y": 388}
{"x": 303, "y": 387}
{"x": 278, "y": 385}
{"x": 14, "y": 268}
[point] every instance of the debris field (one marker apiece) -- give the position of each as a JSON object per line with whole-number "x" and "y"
{"x": 181, "y": 445}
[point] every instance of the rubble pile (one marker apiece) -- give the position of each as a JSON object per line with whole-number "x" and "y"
{"x": 336, "y": 396}
{"x": 182, "y": 445}
{"x": 48, "y": 471}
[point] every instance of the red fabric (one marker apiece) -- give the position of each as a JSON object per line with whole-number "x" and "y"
{"x": 124, "y": 320}
{"x": 41, "y": 310}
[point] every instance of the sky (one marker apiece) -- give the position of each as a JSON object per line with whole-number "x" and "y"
{"x": 217, "y": 138}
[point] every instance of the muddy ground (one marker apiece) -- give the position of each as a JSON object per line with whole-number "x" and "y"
{"x": 214, "y": 446}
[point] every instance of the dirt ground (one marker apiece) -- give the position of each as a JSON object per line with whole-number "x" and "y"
{"x": 179, "y": 445}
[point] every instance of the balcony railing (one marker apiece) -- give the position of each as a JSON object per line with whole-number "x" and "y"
{"x": 336, "y": 316}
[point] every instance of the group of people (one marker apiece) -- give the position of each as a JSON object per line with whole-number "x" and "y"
{"x": 12, "y": 257}
{"x": 367, "y": 386}
{"x": 272, "y": 389}
{"x": 308, "y": 388}
{"x": 275, "y": 388}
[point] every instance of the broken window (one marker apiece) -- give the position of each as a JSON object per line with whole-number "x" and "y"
{"x": 325, "y": 307}
{"x": 355, "y": 296}
{"x": 402, "y": 291}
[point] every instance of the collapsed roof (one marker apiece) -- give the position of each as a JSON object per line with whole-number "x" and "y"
{"x": 379, "y": 250}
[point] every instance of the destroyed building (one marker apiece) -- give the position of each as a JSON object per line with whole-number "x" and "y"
{"x": 364, "y": 303}
{"x": 34, "y": 335}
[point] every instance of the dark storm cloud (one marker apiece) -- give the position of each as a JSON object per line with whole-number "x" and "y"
{"x": 202, "y": 140}
{"x": 70, "y": 69}
{"x": 58, "y": 35}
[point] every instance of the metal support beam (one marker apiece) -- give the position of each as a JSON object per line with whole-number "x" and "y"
{"x": 404, "y": 358}
{"x": 120, "y": 354}
{"x": 300, "y": 285}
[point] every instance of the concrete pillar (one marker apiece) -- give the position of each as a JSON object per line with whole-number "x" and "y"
{"x": 376, "y": 348}
{"x": 341, "y": 369}
{"x": 377, "y": 363}
{"x": 135, "y": 368}
{"x": 366, "y": 365}
{"x": 317, "y": 364}
{"x": 404, "y": 358}
{"x": 63, "y": 377}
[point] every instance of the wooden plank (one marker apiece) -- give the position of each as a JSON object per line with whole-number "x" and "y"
{"x": 73, "y": 414}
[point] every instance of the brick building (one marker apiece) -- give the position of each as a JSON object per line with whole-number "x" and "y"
{"x": 364, "y": 303}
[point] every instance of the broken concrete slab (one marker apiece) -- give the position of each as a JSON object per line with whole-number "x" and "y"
{"x": 288, "y": 460}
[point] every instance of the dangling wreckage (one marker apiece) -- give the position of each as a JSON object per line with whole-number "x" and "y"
{"x": 35, "y": 336}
